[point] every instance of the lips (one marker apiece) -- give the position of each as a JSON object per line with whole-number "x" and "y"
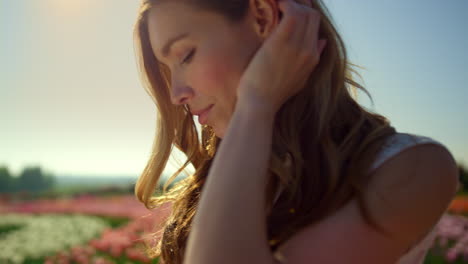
{"x": 198, "y": 112}
{"x": 203, "y": 115}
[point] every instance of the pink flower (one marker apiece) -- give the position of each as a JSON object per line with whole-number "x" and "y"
{"x": 451, "y": 255}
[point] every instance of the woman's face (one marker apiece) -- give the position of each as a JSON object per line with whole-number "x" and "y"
{"x": 207, "y": 63}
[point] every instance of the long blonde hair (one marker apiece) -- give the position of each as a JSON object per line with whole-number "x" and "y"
{"x": 329, "y": 139}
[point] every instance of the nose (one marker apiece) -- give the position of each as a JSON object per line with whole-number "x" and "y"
{"x": 181, "y": 93}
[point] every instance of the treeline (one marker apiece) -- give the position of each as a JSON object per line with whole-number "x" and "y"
{"x": 31, "y": 179}
{"x": 463, "y": 171}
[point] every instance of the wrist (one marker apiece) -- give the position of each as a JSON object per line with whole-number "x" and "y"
{"x": 255, "y": 106}
{"x": 252, "y": 101}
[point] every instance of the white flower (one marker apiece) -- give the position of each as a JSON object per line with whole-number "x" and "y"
{"x": 43, "y": 235}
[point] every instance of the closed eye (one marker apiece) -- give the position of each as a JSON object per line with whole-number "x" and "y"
{"x": 189, "y": 57}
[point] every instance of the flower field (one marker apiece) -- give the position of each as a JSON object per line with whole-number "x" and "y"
{"x": 42, "y": 235}
{"x": 90, "y": 229}
{"x": 73, "y": 230}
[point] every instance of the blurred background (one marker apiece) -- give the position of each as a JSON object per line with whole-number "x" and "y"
{"x": 77, "y": 127}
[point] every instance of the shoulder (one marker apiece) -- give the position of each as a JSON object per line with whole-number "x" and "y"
{"x": 409, "y": 192}
{"x": 406, "y": 196}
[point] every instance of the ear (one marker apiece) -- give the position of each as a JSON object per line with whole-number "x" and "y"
{"x": 266, "y": 16}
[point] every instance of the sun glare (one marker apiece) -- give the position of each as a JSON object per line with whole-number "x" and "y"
{"x": 68, "y": 7}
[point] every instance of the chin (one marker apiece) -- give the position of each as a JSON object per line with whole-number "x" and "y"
{"x": 218, "y": 133}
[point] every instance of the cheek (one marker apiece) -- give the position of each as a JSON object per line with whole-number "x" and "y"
{"x": 215, "y": 77}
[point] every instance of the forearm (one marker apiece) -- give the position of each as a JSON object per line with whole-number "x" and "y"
{"x": 230, "y": 223}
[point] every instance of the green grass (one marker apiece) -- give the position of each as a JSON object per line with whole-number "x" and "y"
{"x": 114, "y": 222}
{"x": 4, "y": 229}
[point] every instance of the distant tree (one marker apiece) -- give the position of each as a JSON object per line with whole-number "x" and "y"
{"x": 30, "y": 179}
{"x": 34, "y": 180}
{"x": 49, "y": 180}
{"x": 6, "y": 180}
{"x": 463, "y": 174}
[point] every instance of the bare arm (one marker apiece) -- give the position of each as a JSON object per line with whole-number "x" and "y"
{"x": 230, "y": 224}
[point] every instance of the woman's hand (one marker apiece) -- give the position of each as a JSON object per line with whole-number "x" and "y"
{"x": 283, "y": 63}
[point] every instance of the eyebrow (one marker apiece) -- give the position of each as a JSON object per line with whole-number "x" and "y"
{"x": 167, "y": 47}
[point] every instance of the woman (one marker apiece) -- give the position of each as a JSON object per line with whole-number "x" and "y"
{"x": 292, "y": 169}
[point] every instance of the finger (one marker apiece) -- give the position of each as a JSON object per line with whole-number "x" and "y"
{"x": 288, "y": 22}
{"x": 312, "y": 34}
{"x": 311, "y": 30}
{"x": 295, "y": 20}
{"x": 301, "y": 36}
{"x": 303, "y": 19}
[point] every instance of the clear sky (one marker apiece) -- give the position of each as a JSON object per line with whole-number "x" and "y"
{"x": 71, "y": 100}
